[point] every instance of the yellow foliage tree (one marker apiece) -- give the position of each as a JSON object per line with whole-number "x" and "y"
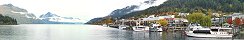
{"x": 107, "y": 21}
{"x": 163, "y": 22}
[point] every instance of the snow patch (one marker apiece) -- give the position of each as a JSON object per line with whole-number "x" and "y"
{"x": 19, "y": 12}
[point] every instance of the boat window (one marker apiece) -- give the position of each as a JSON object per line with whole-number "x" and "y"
{"x": 214, "y": 30}
{"x": 159, "y": 26}
{"x": 191, "y": 29}
{"x": 140, "y": 27}
{"x": 202, "y": 31}
{"x": 225, "y": 30}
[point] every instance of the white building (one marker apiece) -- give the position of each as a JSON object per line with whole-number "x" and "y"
{"x": 153, "y": 18}
{"x": 183, "y": 14}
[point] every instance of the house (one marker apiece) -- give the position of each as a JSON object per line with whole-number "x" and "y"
{"x": 216, "y": 14}
{"x": 153, "y": 19}
{"x": 180, "y": 22}
{"x": 183, "y": 14}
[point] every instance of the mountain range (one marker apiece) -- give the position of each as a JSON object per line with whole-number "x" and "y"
{"x": 51, "y": 18}
{"x": 24, "y": 17}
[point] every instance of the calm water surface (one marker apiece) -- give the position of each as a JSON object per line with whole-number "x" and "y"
{"x": 87, "y": 32}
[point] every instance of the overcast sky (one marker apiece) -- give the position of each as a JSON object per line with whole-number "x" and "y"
{"x": 72, "y": 8}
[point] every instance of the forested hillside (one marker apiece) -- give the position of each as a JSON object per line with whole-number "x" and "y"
{"x": 187, "y": 6}
{"x": 6, "y": 20}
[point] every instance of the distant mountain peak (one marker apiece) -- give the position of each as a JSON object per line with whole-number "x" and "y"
{"x": 150, "y": 1}
{"x": 48, "y": 14}
{"x": 9, "y": 5}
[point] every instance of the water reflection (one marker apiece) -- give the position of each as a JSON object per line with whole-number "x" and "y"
{"x": 88, "y": 32}
{"x": 11, "y": 32}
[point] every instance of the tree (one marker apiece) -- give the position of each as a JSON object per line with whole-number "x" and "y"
{"x": 210, "y": 12}
{"x": 242, "y": 20}
{"x": 200, "y": 18}
{"x": 163, "y": 22}
{"x": 107, "y": 21}
{"x": 206, "y": 21}
{"x": 229, "y": 20}
{"x": 237, "y": 21}
{"x": 6, "y": 20}
{"x": 194, "y": 17}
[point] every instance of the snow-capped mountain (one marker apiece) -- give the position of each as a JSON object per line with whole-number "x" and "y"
{"x": 50, "y": 18}
{"x": 49, "y": 14}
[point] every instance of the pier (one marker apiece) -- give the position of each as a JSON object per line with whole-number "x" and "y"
{"x": 177, "y": 28}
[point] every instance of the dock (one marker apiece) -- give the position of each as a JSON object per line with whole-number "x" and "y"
{"x": 177, "y": 28}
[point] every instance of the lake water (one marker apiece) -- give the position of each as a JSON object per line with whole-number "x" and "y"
{"x": 87, "y": 32}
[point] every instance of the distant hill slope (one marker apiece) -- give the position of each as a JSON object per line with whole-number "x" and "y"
{"x": 126, "y": 10}
{"x": 95, "y": 20}
{"x": 6, "y": 20}
{"x": 188, "y": 6}
{"x": 123, "y": 11}
{"x": 21, "y": 15}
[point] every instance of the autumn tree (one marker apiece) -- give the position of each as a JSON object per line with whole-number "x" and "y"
{"x": 229, "y": 20}
{"x": 163, "y": 22}
{"x": 107, "y": 21}
{"x": 210, "y": 12}
{"x": 237, "y": 21}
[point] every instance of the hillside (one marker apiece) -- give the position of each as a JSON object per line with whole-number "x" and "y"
{"x": 117, "y": 13}
{"x": 6, "y": 20}
{"x": 187, "y": 6}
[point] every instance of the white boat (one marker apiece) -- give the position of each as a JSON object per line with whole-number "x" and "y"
{"x": 222, "y": 31}
{"x": 156, "y": 28}
{"x": 140, "y": 28}
{"x": 105, "y": 25}
{"x": 198, "y": 31}
{"x": 123, "y": 27}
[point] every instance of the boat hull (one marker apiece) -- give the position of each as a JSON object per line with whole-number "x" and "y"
{"x": 122, "y": 27}
{"x": 140, "y": 29}
{"x": 155, "y": 29}
{"x": 208, "y": 35}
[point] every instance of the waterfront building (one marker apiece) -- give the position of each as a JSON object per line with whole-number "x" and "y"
{"x": 153, "y": 19}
